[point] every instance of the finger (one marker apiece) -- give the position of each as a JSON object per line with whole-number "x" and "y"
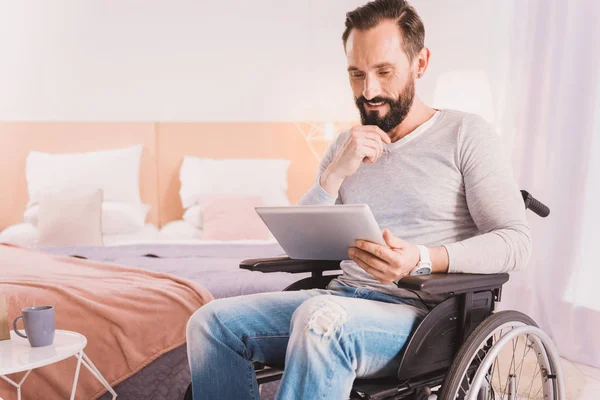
{"x": 373, "y": 261}
{"x": 368, "y": 153}
{"x": 372, "y": 143}
{"x": 372, "y": 136}
{"x": 376, "y": 138}
{"x": 393, "y": 241}
{"x": 381, "y": 277}
{"x": 358, "y": 134}
{"x": 375, "y": 129}
{"x": 379, "y": 251}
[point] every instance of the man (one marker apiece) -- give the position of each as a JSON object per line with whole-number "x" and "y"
{"x": 435, "y": 178}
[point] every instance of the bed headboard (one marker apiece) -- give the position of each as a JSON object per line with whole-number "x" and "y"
{"x": 165, "y": 144}
{"x": 233, "y": 140}
{"x": 17, "y": 139}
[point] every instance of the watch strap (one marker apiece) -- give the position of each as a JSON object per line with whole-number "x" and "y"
{"x": 424, "y": 253}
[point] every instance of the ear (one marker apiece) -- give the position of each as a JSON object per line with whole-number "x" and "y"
{"x": 421, "y": 62}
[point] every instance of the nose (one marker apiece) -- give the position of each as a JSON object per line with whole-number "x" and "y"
{"x": 371, "y": 87}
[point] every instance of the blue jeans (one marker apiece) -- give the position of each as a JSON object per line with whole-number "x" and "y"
{"x": 326, "y": 338}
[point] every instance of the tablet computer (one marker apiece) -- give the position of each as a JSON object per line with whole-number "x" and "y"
{"x": 320, "y": 232}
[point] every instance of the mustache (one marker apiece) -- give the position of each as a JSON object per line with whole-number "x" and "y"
{"x": 362, "y": 100}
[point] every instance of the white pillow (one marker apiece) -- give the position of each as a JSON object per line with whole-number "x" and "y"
{"x": 149, "y": 233}
{"x": 81, "y": 226}
{"x": 180, "y": 230}
{"x": 266, "y": 178}
{"x": 24, "y": 235}
{"x": 117, "y": 218}
{"x": 193, "y": 216}
{"x": 116, "y": 172}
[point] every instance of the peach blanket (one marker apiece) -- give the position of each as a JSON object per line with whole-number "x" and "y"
{"x": 130, "y": 316}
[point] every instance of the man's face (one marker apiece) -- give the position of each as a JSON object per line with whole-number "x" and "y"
{"x": 381, "y": 76}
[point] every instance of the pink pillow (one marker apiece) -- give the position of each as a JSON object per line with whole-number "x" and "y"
{"x": 231, "y": 217}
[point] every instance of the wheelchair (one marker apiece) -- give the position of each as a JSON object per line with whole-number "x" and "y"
{"x": 462, "y": 349}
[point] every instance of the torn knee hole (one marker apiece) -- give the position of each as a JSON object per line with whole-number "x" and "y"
{"x": 327, "y": 318}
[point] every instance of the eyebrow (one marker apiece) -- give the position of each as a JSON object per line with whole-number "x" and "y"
{"x": 380, "y": 65}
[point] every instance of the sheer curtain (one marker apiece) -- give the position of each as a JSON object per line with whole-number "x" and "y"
{"x": 552, "y": 121}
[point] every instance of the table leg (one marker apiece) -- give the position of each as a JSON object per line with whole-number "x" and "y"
{"x": 92, "y": 368}
{"x": 17, "y": 385}
{"x": 74, "y": 389}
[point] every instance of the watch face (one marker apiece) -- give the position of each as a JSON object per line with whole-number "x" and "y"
{"x": 423, "y": 270}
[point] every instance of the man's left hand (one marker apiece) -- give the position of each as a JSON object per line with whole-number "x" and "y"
{"x": 385, "y": 263}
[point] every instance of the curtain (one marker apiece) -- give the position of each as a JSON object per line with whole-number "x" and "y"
{"x": 552, "y": 122}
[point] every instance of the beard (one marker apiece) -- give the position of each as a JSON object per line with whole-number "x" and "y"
{"x": 397, "y": 112}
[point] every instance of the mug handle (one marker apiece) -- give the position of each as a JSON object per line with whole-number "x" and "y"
{"x": 15, "y": 327}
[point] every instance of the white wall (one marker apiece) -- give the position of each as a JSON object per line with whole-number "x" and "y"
{"x": 260, "y": 60}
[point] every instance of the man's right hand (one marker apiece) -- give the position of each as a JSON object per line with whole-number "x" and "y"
{"x": 364, "y": 144}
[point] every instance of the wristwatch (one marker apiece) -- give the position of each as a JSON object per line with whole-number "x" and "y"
{"x": 424, "y": 265}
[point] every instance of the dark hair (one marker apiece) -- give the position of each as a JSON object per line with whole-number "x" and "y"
{"x": 374, "y": 12}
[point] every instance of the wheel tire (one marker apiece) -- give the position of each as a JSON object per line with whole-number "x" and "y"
{"x": 461, "y": 362}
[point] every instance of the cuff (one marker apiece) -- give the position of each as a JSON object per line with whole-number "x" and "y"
{"x": 317, "y": 196}
{"x": 324, "y": 194}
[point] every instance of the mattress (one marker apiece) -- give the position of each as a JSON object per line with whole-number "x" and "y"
{"x": 26, "y": 235}
{"x": 214, "y": 265}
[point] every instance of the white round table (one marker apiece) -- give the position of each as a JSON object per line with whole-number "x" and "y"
{"x": 16, "y": 355}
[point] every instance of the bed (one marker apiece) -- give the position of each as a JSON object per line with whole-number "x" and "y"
{"x": 220, "y": 275}
{"x": 205, "y": 265}
{"x": 176, "y": 255}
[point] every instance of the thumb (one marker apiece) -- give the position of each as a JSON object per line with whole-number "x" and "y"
{"x": 393, "y": 241}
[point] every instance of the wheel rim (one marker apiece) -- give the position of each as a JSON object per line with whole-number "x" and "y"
{"x": 518, "y": 371}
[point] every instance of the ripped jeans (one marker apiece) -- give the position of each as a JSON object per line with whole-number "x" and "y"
{"x": 326, "y": 338}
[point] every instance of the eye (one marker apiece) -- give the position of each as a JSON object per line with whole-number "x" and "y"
{"x": 357, "y": 75}
{"x": 385, "y": 72}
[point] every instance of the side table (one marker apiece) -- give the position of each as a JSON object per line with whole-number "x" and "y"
{"x": 16, "y": 355}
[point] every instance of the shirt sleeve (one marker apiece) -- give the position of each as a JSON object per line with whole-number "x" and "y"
{"x": 316, "y": 195}
{"x": 495, "y": 204}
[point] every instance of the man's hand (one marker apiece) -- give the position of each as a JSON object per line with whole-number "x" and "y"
{"x": 364, "y": 144}
{"x": 386, "y": 263}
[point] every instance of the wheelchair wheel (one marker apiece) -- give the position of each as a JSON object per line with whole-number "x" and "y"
{"x": 506, "y": 357}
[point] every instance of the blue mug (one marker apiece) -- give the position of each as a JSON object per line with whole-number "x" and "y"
{"x": 39, "y": 325}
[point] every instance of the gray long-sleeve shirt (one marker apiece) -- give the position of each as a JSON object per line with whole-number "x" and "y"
{"x": 450, "y": 183}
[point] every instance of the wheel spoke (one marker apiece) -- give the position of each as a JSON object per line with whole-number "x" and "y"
{"x": 498, "y": 359}
{"x": 465, "y": 391}
{"x": 538, "y": 392}
{"x": 508, "y": 377}
{"x": 517, "y": 365}
{"x": 526, "y": 349}
{"x": 532, "y": 381}
{"x": 496, "y": 364}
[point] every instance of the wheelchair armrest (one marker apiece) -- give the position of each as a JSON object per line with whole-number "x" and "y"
{"x": 286, "y": 264}
{"x": 431, "y": 284}
{"x": 452, "y": 283}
